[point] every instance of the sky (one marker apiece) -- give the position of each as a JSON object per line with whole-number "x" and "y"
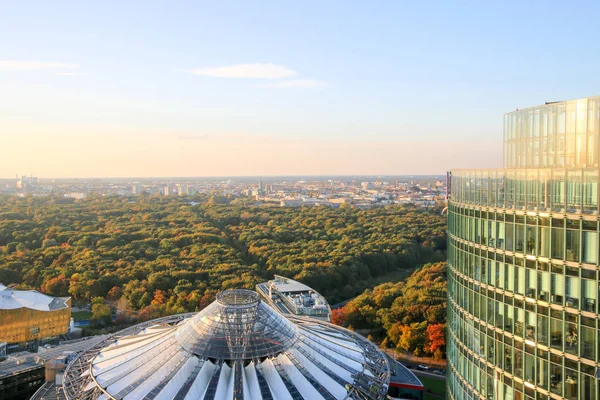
{"x": 206, "y": 88}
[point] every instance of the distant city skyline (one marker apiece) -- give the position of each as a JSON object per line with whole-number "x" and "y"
{"x": 263, "y": 89}
{"x": 329, "y": 191}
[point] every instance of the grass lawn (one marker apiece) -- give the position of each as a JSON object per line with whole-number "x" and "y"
{"x": 81, "y": 315}
{"x": 437, "y": 386}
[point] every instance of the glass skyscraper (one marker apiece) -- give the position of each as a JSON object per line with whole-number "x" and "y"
{"x": 523, "y": 280}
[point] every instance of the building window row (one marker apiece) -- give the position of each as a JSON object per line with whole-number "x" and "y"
{"x": 524, "y": 365}
{"x": 570, "y": 240}
{"x": 563, "y": 331}
{"x": 563, "y": 285}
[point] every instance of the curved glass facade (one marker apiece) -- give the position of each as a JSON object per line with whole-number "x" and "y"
{"x": 561, "y": 134}
{"x": 523, "y": 282}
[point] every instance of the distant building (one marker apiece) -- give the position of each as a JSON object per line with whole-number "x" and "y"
{"x": 291, "y": 297}
{"x": 341, "y": 200}
{"x": 23, "y": 373}
{"x": 20, "y": 377}
{"x": 291, "y": 202}
{"x": 167, "y": 190}
{"x": 29, "y": 318}
{"x": 76, "y": 195}
{"x": 155, "y": 191}
{"x": 26, "y": 182}
{"x": 367, "y": 186}
{"x": 135, "y": 189}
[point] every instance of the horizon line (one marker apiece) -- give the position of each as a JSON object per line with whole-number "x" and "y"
{"x": 226, "y": 176}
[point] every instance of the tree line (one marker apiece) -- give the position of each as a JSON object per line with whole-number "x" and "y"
{"x": 152, "y": 256}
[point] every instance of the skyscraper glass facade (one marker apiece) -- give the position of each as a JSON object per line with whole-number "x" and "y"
{"x": 523, "y": 282}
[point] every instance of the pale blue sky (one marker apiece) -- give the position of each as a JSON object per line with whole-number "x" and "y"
{"x": 381, "y": 87}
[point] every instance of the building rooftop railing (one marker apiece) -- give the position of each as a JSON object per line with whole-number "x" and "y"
{"x": 556, "y": 190}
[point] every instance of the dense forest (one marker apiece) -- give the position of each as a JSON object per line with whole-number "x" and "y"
{"x": 409, "y": 316}
{"x": 162, "y": 255}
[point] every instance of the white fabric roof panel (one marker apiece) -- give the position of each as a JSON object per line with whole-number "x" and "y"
{"x": 274, "y": 380}
{"x": 343, "y": 343}
{"x": 133, "y": 372}
{"x": 245, "y": 383}
{"x": 252, "y": 381}
{"x": 175, "y": 384}
{"x": 138, "y": 352}
{"x": 343, "y": 373}
{"x": 225, "y": 380}
{"x": 201, "y": 382}
{"x": 14, "y": 299}
{"x": 331, "y": 385}
{"x": 178, "y": 361}
{"x": 340, "y": 353}
{"x": 159, "y": 375}
{"x": 306, "y": 389}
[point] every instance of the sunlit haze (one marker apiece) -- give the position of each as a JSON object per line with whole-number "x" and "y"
{"x": 278, "y": 88}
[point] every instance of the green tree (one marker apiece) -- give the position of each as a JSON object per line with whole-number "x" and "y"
{"x": 101, "y": 314}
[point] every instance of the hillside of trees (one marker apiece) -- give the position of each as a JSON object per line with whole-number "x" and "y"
{"x": 409, "y": 316}
{"x": 163, "y": 255}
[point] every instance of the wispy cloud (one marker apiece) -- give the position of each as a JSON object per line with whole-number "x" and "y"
{"x": 13, "y": 65}
{"x": 73, "y": 73}
{"x": 294, "y": 83}
{"x": 260, "y": 71}
{"x": 194, "y": 137}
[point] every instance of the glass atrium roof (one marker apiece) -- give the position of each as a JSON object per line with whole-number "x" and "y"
{"x": 238, "y": 326}
{"x": 236, "y": 348}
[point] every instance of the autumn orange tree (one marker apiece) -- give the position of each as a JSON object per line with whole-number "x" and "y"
{"x": 436, "y": 340}
{"x": 409, "y": 316}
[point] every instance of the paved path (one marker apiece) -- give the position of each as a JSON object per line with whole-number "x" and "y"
{"x": 410, "y": 359}
{"x": 414, "y": 361}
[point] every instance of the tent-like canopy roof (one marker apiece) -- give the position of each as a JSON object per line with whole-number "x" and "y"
{"x": 11, "y": 299}
{"x": 236, "y": 348}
